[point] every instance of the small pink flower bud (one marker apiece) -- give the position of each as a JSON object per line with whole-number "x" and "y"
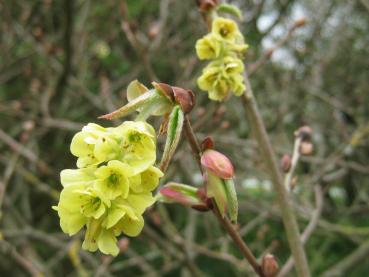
{"x": 183, "y": 194}
{"x": 285, "y": 163}
{"x": 154, "y": 30}
{"x": 217, "y": 163}
{"x": 206, "y": 5}
{"x": 123, "y": 245}
{"x": 269, "y": 266}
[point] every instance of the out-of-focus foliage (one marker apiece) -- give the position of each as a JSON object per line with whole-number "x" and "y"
{"x": 64, "y": 63}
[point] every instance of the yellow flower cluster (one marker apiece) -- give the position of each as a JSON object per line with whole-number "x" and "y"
{"x": 223, "y": 47}
{"x": 112, "y": 186}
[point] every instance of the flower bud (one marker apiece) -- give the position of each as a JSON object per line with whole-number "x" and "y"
{"x": 269, "y": 265}
{"x": 207, "y": 143}
{"x": 285, "y": 163}
{"x": 164, "y": 89}
{"x": 123, "y": 245}
{"x": 185, "y": 98}
{"x": 300, "y": 22}
{"x": 206, "y": 5}
{"x": 183, "y": 194}
{"x": 218, "y": 175}
{"x": 304, "y": 133}
{"x": 306, "y": 148}
{"x": 217, "y": 163}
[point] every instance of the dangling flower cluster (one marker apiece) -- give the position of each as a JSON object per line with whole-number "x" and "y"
{"x": 112, "y": 186}
{"x": 223, "y": 46}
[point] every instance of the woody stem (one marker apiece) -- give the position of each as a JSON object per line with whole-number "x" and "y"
{"x": 289, "y": 219}
{"x": 224, "y": 221}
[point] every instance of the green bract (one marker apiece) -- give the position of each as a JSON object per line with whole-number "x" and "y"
{"x": 113, "y": 185}
{"x": 223, "y": 46}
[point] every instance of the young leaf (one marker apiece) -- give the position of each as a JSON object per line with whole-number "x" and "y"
{"x": 229, "y": 9}
{"x": 232, "y": 203}
{"x": 174, "y": 131}
{"x": 215, "y": 188}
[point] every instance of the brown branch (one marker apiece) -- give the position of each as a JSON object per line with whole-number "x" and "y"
{"x": 246, "y": 252}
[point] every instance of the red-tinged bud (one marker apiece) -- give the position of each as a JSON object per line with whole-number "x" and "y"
{"x": 207, "y": 143}
{"x": 154, "y": 30}
{"x": 269, "y": 266}
{"x": 218, "y": 164}
{"x": 183, "y": 194}
{"x": 155, "y": 217}
{"x": 300, "y": 22}
{"x": 306, "y": 148}
{"x": 206, "y": 5}
{"x": 185, "y": 98}
{"x": 123, "y": 245}
{"x": 225, "y": 124}
{"x": 285, "y": 163}
{"x": 269, "y": 52}
{"x": 165, "y": 89}
{"x": 304, "y": 133}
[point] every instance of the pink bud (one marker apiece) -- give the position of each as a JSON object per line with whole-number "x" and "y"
{"x": 269, "y": 265}
{"x": 185, "y": 195}
{"x": 217, "y": 163}
{"x": 123, "y": 245}
{"x": 285, "y": 163}
{"x": 175, "y": 195}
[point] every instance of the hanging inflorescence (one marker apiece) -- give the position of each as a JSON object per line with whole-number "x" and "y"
{"x": 223, "y": 46}
{"x": 112, "y": 186}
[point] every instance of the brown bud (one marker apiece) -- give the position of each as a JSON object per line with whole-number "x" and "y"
{"x": 285, "y": 163}
{"x": 269, "y": 52}
{"x": 185, "y": 98}
{"x": 155, "y": 217}
{"x": 206, "y": 5}
{"x": 165, "y": 89}
{"x": 207, "y": 143}
{"x": 28, "y": 125}
{"x": 300, "y": 22}
{"x": 221, "y": 110}
{"x": 306, "y": 148}
{"x": 123, "y": 245}
{"x": 154, "y": 30}
{"x": 225, "y": 124}
{"x": 304, "y": 133}
{"x": 269, "y": 266}
{"x": 200, "y": 111}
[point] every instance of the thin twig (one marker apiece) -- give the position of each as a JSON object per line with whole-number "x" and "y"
{"x": 289, "y": 218}
{"x": 295, "y": 158}
{"x": 308, "y": 230}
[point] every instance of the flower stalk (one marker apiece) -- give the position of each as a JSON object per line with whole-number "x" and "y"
{"x": 227, "y": 225}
